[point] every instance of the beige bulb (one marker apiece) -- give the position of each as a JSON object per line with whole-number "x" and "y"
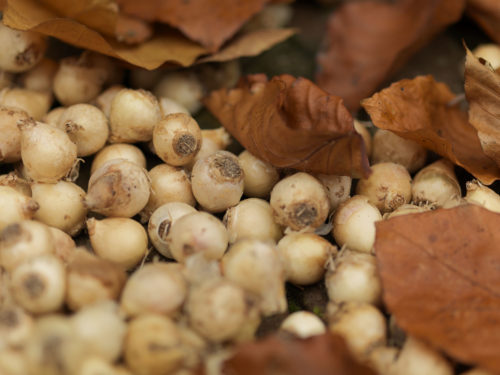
{"x": 15, "y": 206}
{"x": 16, "y": 326}
{"x": 489, "y": 52}
{"x": 387, "y": 187}
{"x": 87, "y": 126}
{"x": 260, "y": 177}
{"x": 168, "y": 184}
{"x": 197, "y": 232}
{"x": 353, "y": 276}
{"x": 219, "y": 136}
{"x": 10, "y": 142}
{"x": 54, "y": 347}
{"x": 362, "y": 326}
{"x": 177, "y": 139}
{"x": 390, "y": 147}
{"x": 133, "y": 115}
{"x": 435, "y": 184}
{"x": 161, "y": 221}
{"x": 101, "y": 328}
{"x": 303, "y": 324}
{"x": 170, "y": 290}
{"x": 91, "y": 279}
{"x": 300, "y": 202}
{"x": 119, "y": 188}
{"x": 60, "y": 205}
{"x": 251, "y": 218}
{"x": 354, "y": 224}
{"x": 183, "y": 87}
{"x": 122, "y": 241}
{"x": 78, "y": 80}
{"x": 217, "y": 181}
{"x": 153, "y": 345}
{"x": 21, "y": 50}
{"x": 48, "y": 153}
{"x": 34, "y": 103}
{"x": 219, "y": 310}
{"x": 38, "y": 285}
{"x": 479, "y": 194}
{"x": 304, "y": 257}
{"x": 22, "y": 241}
{"x": 256, "y": 266}
{"x": 13, "y": 362}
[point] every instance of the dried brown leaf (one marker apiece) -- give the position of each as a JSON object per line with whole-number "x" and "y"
{"x": 487, "y": 14}
{"x": 320, "y": 355}
{"x": 209, "y": 22}
{"x": 103, "y": 17}
{"x": 440, "y": 279}
{"x": 366, "y": 41}
{"x": 250, "y": 44}
{"x": 291, "y": 123}
{"x": 167, "y": 46}
{"x": 482, "y": 89}
{"x": 421, "y": 109}
{"x": 100, "y": 15}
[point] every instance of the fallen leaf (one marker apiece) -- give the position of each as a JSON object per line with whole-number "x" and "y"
{"x": 209, "y": 22}
{"x": 319, "y": 355}
{"x": 249, "y": 44}
{"x": 291, "y": 123}
{"x": 422, "y": 110}
{"x": 440, "y": 279}
{"x": 102, "y": 16}
{"x": 486, "y": 13}
{"x": 367, "y": 41}
{"x": 166, "y": 46}
{"x": 482, "y": 89}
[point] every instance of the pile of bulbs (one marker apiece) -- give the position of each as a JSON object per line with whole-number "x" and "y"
{"x": 99, "y": 308}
